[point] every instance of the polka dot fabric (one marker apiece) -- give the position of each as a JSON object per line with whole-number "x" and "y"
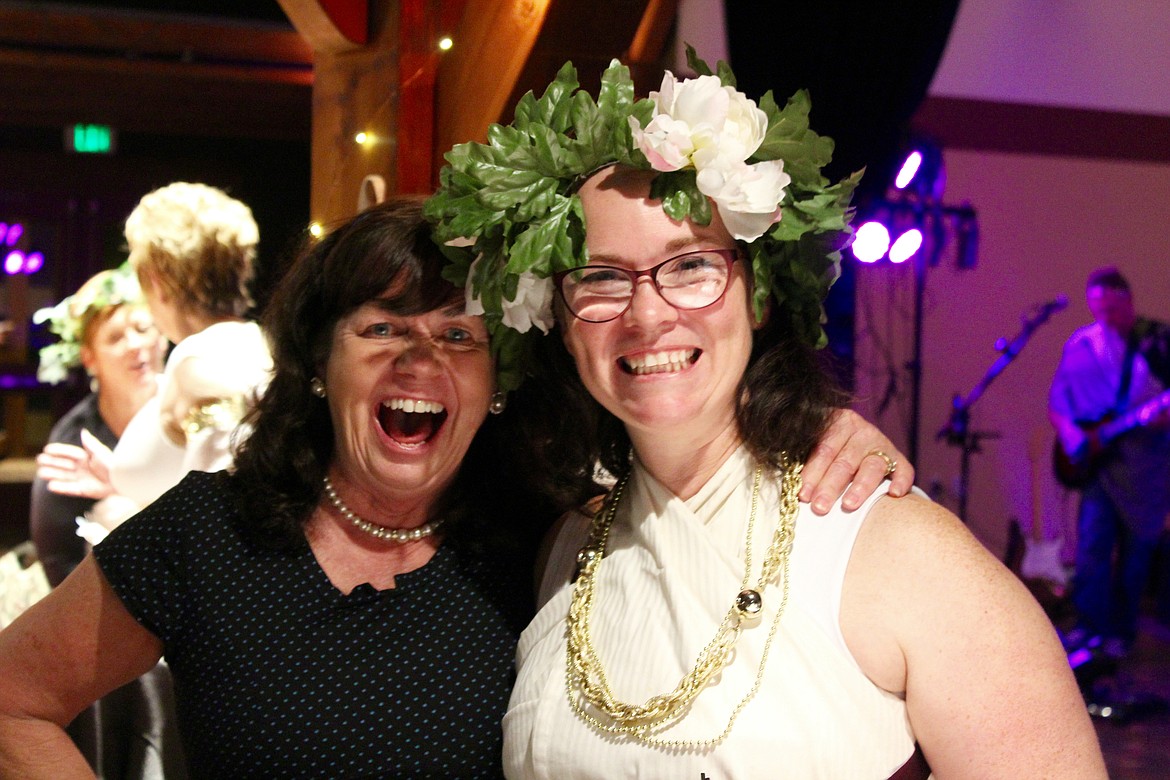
{"x": 278, "y": 674}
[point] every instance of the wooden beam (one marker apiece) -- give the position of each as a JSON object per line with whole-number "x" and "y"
{"x": 330, "y": 25}
{"x": 477, "y": 77}
{"x": 142, "y": 35}
{"x": 650, "y": 39}
{"x": 355, "y": 90}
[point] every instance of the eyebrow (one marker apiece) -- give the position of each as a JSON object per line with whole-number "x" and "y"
{"x": 455, "y": 308}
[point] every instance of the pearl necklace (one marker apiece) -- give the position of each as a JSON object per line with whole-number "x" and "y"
{"x": 398, "y": 535}
{"x": 585, "y": 676}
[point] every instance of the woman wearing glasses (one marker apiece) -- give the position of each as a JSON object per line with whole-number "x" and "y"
{"x": 700, "y": 622}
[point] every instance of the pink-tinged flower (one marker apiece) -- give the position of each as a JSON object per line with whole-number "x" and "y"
{"x": 701, "y": 122}
{"x": 747, "y": 196}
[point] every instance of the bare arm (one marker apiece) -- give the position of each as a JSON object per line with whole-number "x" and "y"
{"x": 844, "y": 455}
{"x": 928, "y": 611}
{"x": 68, "y": 650}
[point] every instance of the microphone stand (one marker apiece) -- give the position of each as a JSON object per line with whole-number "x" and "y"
{"x": 957, "y": 430}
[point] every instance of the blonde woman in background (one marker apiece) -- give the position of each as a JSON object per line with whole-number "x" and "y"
{"x": 193, "y": 248}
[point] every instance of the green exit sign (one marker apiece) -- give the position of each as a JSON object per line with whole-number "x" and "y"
{"x": 90, "y": 139}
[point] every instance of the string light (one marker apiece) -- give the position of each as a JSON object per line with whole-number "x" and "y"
{"x": 445, "y": 43}
{"x": 315, "y": 229}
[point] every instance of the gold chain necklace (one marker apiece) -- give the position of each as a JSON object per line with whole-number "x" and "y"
{"x": 585, "y": 675}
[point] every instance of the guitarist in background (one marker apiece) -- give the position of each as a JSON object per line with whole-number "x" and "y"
{"x": 1115, "y": 365}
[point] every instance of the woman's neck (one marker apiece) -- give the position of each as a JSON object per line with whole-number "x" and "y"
{"x": 189, "y": 323}
{"x": 682, "y": 463}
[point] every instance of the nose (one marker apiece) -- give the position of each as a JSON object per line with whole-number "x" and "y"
{"x": 648, "y": 310}
{"x": 419, "y": 355}
{"x": 137, "y": 340}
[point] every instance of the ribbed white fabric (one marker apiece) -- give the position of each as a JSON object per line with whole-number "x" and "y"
{"x": 667, "y": 580}
{"x": 146, "y": 462}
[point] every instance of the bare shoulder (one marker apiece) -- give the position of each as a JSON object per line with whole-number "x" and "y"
{"x": 931, "y": 614}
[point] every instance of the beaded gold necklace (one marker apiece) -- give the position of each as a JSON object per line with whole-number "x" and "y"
{"x": 585, "y": 676}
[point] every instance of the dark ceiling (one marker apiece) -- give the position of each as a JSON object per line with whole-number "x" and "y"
{"x": 255, "y": 10}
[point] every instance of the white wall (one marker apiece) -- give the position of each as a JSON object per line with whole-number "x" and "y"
{"x": 1106, "y": 54}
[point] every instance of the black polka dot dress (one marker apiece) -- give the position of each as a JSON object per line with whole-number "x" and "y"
{"x": 278, "y": 674}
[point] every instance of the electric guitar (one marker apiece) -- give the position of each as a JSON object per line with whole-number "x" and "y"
{"x": 1075, "y": 469}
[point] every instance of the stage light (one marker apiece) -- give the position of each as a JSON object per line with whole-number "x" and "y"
{"x": 906, "y": 245}
{"x": 909, "y": 168}
{"x": 871, "y": 242}
{"x": 445, "y": 43}
{"x": 15, "y": 231}
{"x": 14, "y": 262}
{"x": 34, "y": 262}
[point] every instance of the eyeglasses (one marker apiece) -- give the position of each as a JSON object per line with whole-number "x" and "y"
{"x": 600, "y": 293}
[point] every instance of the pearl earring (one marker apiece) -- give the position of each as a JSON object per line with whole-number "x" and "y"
{"x": 317, "y": 387}
{"x": 499, "y": 402}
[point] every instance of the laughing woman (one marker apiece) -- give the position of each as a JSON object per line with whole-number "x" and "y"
{"x": 699, "y": 622}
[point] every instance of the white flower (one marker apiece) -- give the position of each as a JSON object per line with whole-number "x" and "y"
{"x": 747, "y": 196}
{"x": 532, "y": 306}
{"x": 701, "y": 122}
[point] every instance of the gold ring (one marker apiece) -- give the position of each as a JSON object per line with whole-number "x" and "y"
{"x": 891, "y": 464}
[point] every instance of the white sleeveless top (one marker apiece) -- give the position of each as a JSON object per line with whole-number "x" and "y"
{"x": 146, "y": 462}
{"x": 666, "y": 583}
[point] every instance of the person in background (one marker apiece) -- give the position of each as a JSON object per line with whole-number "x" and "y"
{"x": 106, "y": 328}
{"x": 1108, "y": 403}
{"x": 192, "y": 247}
{"x": 346, "y": 601}
{"x": 700, "y": 621}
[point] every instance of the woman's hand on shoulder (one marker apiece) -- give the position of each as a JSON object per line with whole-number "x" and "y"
{"x": 928, "y": 611}
{"x": 849, "y": 455}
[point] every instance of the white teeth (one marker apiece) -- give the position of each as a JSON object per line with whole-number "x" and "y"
{"x": 660, "y": 362}
{"x": 411, "y": 405}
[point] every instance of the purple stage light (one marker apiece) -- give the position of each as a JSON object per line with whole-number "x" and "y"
{"x": 34, "y": 262}
{"x": 14, "y": 262}
{"x": 907, "y": 244}
{"x": 871, "y": 242}
{"x": 15, "y": 231}
{"x": 908, "y": 170}
{"x": 3, "y": 230}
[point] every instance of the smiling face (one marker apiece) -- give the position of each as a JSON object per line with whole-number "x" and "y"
{"x": 406, "y": 395}
{"x": 659, "y": 369}
{"x": 124, "y": 353}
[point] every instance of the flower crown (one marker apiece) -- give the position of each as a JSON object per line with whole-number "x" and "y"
{"x": 508, "y": 216}
{"x": 69, "y": 318}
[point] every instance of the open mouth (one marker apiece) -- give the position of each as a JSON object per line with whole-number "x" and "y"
{"x": 410, "y": 421}
{"x": 667, "y": 361}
